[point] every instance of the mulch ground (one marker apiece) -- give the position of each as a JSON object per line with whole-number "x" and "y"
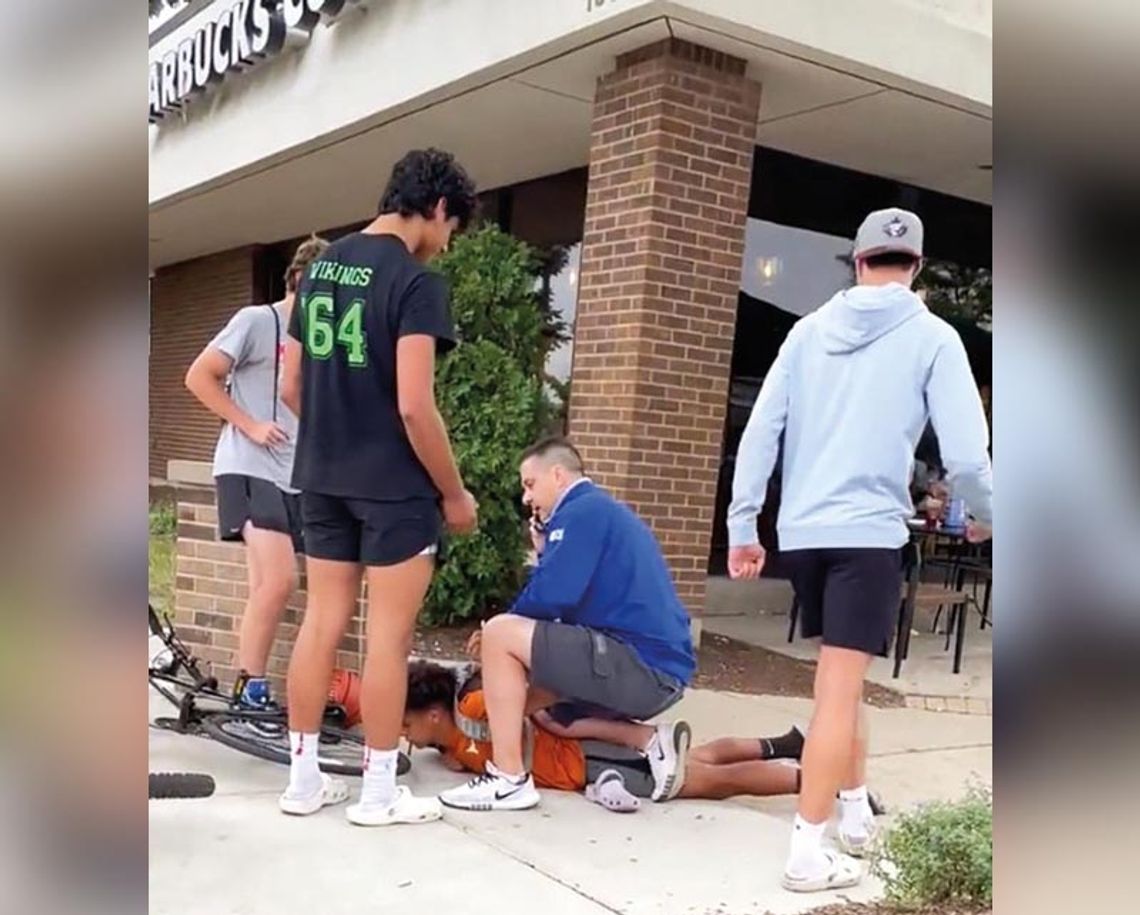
{"x": 724, "y": 664}
{"x": 884, "y": 908}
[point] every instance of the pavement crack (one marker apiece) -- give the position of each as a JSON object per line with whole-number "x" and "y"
{"x": 576, "y": 890}
{"x": 921, "y": 750}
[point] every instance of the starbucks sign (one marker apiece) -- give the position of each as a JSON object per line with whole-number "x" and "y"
{"x": 230, "y": 36}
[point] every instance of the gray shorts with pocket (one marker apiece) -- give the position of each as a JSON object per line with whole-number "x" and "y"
{"x": 596, "y": 676}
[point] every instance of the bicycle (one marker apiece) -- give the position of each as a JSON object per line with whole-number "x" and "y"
{"x": 177, "y": 675}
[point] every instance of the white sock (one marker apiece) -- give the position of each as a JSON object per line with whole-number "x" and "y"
{"x": 855, "y": 814}
{"x": 806, "y": 857}
{"x": 492, "y": 769}
{"x": 304, "y": 768}
{"x": 379, "y": 786}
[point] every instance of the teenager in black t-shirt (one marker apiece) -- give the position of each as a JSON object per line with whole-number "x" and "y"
{"x": 375, "y": 467}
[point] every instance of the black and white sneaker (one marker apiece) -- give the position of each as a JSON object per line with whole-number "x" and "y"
{"x": 493, "y": 791}
{"x": 667, "y": 751}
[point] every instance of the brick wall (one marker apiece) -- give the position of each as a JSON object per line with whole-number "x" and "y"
{"x": 211, "y": 590}
{"x": 670, "y": 167}
{"x": 189, "y": 303}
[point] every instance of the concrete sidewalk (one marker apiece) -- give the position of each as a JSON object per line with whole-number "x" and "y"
{"x": 235, "y": 853}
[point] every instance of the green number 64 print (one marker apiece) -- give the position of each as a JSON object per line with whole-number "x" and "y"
{"x": 321, "y": 338}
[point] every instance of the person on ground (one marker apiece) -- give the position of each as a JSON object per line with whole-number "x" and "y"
{"x": 572, "y": 757}
{"x": 598, "y": 630}
{"x": 850, "y": 391}
{"x": 375, "y": 466}
{"x": 237, "y": 377}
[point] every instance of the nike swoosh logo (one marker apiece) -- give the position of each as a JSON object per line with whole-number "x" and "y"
{"x": 499, "y": 796}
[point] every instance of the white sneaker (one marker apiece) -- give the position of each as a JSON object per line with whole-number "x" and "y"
{"x": 332, "y": 791}
{"x": 493, "y": 791}
{"x": 667, "y": 751}
{"x": 404, "y": 807}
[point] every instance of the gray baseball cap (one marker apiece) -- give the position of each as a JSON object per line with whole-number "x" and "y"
{"x": 889, "y": 230}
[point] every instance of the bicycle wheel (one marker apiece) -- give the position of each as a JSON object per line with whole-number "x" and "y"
{"x": 179, "y": 784}
{"x": 341, "y": 751}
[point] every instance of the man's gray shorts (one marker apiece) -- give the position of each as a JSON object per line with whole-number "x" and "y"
{"x": 596, "y": 676}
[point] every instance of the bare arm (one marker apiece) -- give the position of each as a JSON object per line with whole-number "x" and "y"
{"x": 206, "y": 380}
{"x": 415, "y": 387}
{"x": 291, "y": 376}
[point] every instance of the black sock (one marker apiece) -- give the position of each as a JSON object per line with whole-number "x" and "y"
{"x": 786, "y": 746}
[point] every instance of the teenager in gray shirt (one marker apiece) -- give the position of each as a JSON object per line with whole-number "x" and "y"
{"x": 253, "y": 463}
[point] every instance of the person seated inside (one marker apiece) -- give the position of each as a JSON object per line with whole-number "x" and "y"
{"x": 446, "y": 710}
{"x": 598, "y": 630}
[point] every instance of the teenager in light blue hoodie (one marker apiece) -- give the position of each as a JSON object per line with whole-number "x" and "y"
{"x": 850, "y": 392}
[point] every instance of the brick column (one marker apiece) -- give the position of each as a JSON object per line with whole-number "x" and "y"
{"x": 670, "y": 171}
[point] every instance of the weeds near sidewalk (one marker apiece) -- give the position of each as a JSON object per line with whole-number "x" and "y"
{"x": 940, "y": 853}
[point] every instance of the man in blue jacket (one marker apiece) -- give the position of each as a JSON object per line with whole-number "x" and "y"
{"x": 850, "y": 391}
{"x": 598, "y": 631}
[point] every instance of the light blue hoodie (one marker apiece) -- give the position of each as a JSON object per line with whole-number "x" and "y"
{"x": 851, "y": 390}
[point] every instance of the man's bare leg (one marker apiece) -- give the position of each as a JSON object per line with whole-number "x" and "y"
{"x": 505, "y": 663}
{"x": 333, "y": 589}
{"x": 727, "y": 750}
{"x": 757, "y": 778}
{"x": 827, "y": 753}
{"x": 506, "y": 659}
{"x": 395, "y": 596}
{"x": 272, "y": 578}
{"x": 856, "y": 817}
{"x": 628, "y": 734}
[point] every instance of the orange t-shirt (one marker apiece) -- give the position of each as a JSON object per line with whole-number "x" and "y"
{"x": 558, "y": 761}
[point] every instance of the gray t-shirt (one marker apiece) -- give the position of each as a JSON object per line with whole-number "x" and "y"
{"x": 251, "y": 342}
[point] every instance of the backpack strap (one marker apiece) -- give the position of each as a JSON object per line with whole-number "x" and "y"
{"x": 276, "y": 356}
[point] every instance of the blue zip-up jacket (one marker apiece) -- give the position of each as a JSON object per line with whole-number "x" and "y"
{"x": 602, "y": 568}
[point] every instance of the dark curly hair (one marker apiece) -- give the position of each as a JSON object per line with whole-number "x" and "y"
{"x": 421, "y": 178}
{"x": 430, "y": 685}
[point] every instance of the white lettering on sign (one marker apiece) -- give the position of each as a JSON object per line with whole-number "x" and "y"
{"x": 233, "y": 36}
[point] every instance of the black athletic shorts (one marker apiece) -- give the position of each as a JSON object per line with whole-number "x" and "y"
{"x": 370, "y": 532}
{"x": 851, "y": 597}
{"x": 596, "y": 675}
{"x": 261, "y": 503}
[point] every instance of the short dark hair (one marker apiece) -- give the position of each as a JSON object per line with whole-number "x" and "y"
{"x": 421, "y": 178}
{"x": 892, "y": 259}
{"x": 430, "y": 685}
{"x": 558, "y": 449}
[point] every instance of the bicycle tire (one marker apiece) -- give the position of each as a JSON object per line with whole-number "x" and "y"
{"x": 164, "y": 785}
{"x": 341, "y": 752}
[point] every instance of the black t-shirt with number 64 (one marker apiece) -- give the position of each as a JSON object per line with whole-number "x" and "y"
{"x": 352, "y": 306}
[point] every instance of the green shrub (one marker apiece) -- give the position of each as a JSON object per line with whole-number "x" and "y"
{"x": 490, "y": 392}
{"x": 941, "y": 852}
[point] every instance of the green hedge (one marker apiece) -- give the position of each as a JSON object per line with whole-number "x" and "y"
{"x": 492, "y": 396}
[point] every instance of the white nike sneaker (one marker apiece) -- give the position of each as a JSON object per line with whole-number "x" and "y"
{"x": 667, "y": 751}
{"x": 493, "y": 791}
